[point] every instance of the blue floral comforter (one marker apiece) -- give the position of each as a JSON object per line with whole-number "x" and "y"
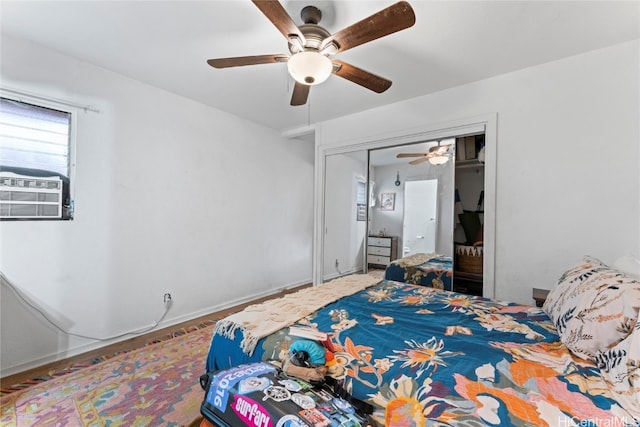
{"x": 427, "y": 357}
{"x": 436, "y": 272}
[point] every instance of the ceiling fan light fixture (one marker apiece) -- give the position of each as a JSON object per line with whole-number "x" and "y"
{"x": 439, "y": 154}
{"x": 309, "y": 67}
{"x": 440, "y": 159}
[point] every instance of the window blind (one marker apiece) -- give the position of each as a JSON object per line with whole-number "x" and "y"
{"x": 34, "y": 137}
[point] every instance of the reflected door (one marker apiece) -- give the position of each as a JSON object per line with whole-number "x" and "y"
{"x": 420, "y": 221}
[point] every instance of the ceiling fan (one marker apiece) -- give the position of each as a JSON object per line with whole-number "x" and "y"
{"x": 437, "y": 155}
{"x": 311, "y": 46}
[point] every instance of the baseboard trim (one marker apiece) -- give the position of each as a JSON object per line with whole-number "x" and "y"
{"x": 168, "y": 323}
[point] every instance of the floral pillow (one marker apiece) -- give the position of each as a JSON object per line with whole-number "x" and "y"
{"x": 620, "y": 368}
{"x": 593, "y": 307}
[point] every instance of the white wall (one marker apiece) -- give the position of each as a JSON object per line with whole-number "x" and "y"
{"x": 568, "y": 180}
{"x": 171, "y": 196}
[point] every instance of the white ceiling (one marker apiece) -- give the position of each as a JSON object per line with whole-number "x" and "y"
{"x": 167, "y": 43}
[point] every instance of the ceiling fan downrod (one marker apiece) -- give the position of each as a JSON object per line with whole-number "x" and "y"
{"x": 311, "y": 15}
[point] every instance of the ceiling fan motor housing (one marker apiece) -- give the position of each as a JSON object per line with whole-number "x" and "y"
{"x": 314, "y": 35}
{"x": 307, "y": 70}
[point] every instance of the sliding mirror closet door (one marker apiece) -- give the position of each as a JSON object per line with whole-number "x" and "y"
{"x": 347, "y": 241}
{"x": 414, "y": 202}
{"x": 345, "y": 216}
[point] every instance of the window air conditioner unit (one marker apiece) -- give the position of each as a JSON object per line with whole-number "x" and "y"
{"x": 24, "y": 196}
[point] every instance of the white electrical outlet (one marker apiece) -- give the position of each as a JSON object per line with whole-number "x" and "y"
{"x": 167, "y": 298}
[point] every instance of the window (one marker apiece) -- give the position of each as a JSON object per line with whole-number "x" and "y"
{"x": 35, "y": 166}
{"x": 361, "y": 201}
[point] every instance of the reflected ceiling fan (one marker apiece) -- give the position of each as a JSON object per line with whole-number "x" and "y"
{"x": 311, "y": 46}
{"x": 437, "y": 155}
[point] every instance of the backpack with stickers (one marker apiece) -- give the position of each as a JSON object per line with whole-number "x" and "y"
{"x": 262, "y": 395}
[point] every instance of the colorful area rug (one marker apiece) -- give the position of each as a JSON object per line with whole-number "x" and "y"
{"x": 156, "y": 385}
{"x": 55, "y": 373}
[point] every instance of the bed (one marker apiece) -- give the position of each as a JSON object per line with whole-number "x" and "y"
{"x": 426, "y": 356}
{"x": 432, "y": 270}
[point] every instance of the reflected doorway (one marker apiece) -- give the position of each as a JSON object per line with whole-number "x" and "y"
{"x": 419, "y": 227}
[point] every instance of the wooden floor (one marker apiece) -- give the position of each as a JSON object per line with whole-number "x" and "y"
{"x": 130, "y": 344}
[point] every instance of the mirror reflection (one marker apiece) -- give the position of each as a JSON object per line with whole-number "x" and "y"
{"x": 345, "y": 204}
{"x": 411, "y": 223}
{"x": 401, "y": 209}
{"x": 422, "y": 192}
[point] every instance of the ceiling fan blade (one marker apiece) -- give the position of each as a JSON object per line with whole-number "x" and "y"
{"x": 239, "y": 61}
{"x": 300, "y": 94}
{"x": 401, "y": 155}
{"x": 359, "y": 76}
{"x": 394, "y": 18}
{"x": 418, "y": 161}
{"x": 279, "y": 17}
